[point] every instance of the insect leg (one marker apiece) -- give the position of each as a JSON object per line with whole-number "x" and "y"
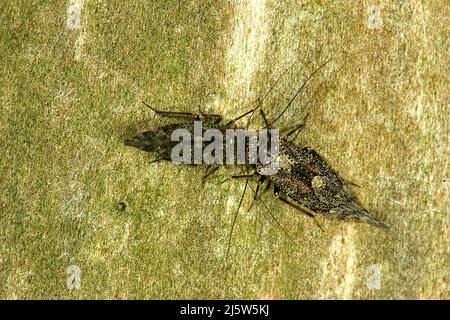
{"x": 173, "y": 114}
{"x": 243, "y": 176}
{"x": 240, "y": 117}
{"x": 260, "y": 182}
{"x": 349, "y": 183}
{"x": 276, "y": 191}
{"x": 157, "y": 160}
{"x": 209, "y": 172}
{"x": 216, "y": 118}
{"x": 274, "y": 218}
{"x": 296, "y": 128}
{"x": 263, "y": 114}
{"x": 235, "y": 218}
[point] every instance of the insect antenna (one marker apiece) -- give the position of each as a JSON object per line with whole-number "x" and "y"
{"x": 156, "y": 160}
{"x": 273, "y": 217}
{"x": 246, "y": 175}
{"x": 299, "y": 90}
{"x": 235, "y": 217}
{"x": 247, "y": 184}
{"x": 260, "y": 101}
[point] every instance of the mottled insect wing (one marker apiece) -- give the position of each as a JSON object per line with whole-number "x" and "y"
{"x": 311, "y": 182}
{"x": 150, "y": 141}
{"x": 158, "y": 141}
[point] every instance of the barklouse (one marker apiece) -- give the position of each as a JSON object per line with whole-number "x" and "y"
{"x": 303, "y": 179}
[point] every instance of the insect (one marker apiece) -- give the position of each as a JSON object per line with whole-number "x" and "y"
{"x": 160, "y": 141}
{"x": 315, "y": 187}
{"x": 304, "y": 180}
